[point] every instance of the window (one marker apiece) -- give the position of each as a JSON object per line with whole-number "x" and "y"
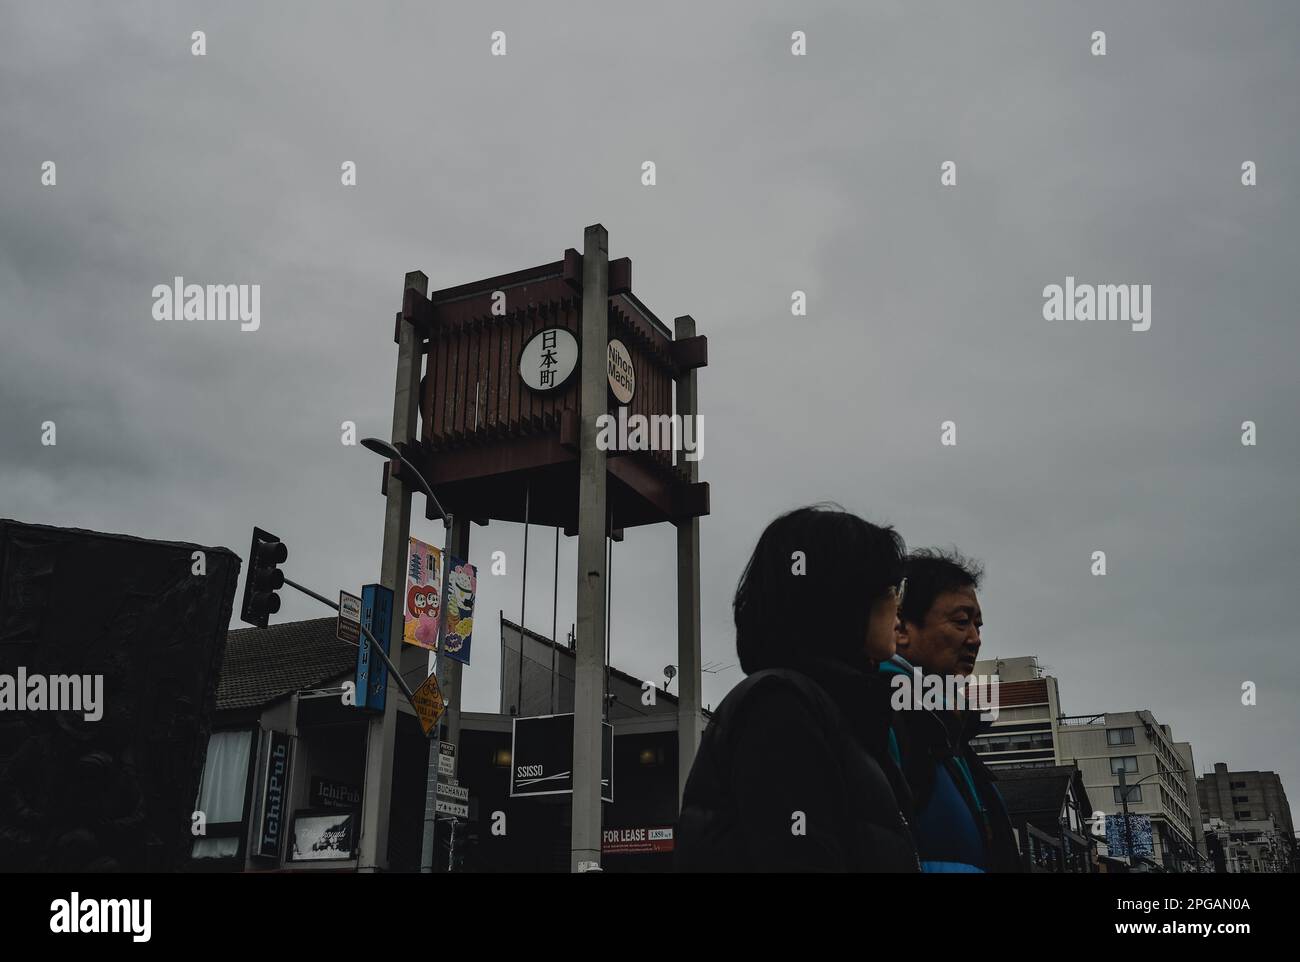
{"x": 1241, "y": 816}
{"x": 1134, "y": 794}
{"x": 222, "y": 793}
{"x": 1236, "y": 784}
{"x": 1126, "y": 763}
{"x": 1240, "y": 798}
{"x": 1119, "y": 736}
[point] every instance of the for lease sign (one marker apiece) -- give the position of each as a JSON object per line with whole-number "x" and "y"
{"x": 636, "y": 841}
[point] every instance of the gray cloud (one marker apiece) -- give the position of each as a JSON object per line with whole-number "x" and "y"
{"x": 775, "y": 174}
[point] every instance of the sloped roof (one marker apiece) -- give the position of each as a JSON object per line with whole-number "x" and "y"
{"x": 1031, "y": 793}
{"x": 263, "y": 665}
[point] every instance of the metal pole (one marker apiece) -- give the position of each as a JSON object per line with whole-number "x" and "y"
{"x": 1123, "y": 800}
{"x": 392, "y": 669}
{"x": 523, "y": 602}
{"x": 555, "y": 601}
{"x": 690, "y": 686}
{"x": 429, "y": 835}
{"x": 609, "y": 594}
{"x": 449, "y": 680}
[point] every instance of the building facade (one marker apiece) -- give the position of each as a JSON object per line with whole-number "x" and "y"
{"x": 282, "y": 784}
{"x": 1249, "y": 818}
{"x": 1159, "y": 774}
{"x": 1050, "y": 811}
{"x": 1026, "y": 732}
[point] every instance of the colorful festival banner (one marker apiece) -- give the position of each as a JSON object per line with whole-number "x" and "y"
{"x": 462, "y": 587}
{"x": 423, "y": 587}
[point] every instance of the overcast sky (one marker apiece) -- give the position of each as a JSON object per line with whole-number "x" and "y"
{"x": 776, "y": 173}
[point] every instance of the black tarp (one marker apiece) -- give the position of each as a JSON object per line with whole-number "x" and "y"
{"x": 117, "y": 793}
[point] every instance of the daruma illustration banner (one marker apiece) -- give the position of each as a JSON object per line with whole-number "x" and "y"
{"x": 462, "y": 586}
{"x": 423, "y": 584}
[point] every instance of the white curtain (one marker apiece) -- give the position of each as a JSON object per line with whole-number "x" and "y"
{"x": 221, "y": 794}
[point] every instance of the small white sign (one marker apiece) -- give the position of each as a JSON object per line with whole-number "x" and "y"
{"x": 349, "y": 622}
{"x": 549, "y": 359}
{"x": 458, "y": 809}
{"x": 446, "y": 765}
{"x": 622, "y": 375}
{"x": 453, "y": 791}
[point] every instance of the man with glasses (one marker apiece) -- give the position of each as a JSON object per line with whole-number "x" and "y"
{"x": 961, "y": 823}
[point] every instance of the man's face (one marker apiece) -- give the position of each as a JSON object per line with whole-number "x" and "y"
{"x": 948, "y": 642}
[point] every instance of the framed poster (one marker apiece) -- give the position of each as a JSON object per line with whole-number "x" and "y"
{"x": 320, "y": 835}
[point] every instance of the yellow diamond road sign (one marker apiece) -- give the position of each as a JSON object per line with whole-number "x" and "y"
{"x": 428, "y": 703}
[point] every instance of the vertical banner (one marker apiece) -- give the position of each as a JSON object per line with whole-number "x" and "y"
{"x": 423, "y": 592}
{"x": 275, "y": 787}
{"x": 1117, "y": 838}
{"x": 462, "y": 587}
{"x": 372, "y": 673}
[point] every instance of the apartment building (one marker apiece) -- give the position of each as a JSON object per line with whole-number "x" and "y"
{"x": 1025, "y": 733}
{"x": 1248, "y": 814}
{"x": 1159, "y": 773}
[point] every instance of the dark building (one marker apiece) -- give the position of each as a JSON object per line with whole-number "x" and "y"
{"x": 1049, "y": 811}
{"x": 286, "y": 764}
{"x": 282, "y": 690}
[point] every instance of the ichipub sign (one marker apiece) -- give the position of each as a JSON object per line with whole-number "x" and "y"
{"x": 275, "y": 783}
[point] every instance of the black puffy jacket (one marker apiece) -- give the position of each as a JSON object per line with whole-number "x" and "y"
{"x": 793, "y": 775}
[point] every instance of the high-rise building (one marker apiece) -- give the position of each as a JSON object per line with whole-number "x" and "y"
{"x": 1249, "y": 817}
{"x": 1024, "y": 734}
{"x": 1159, "y": 774}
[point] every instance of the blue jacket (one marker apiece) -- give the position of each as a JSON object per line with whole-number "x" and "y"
{"x": 960, "y": 822}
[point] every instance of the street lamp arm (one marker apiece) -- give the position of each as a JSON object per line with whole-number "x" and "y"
{"x": 375, "y": 646}
{"x": 409, "y": 470}
{"x": 1129, "y": 786}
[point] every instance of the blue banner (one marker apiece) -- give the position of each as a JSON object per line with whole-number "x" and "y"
{"x": 372, "y": 673}
{"x": 1117, "y": 838}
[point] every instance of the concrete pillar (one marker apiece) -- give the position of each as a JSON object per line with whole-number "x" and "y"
{"x": 380, "y": 737}
{"x": 589, "y": 685}
{"x": 690, "y": 689}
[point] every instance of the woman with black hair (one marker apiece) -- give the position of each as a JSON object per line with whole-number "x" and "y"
{"x": 794, "y": 772}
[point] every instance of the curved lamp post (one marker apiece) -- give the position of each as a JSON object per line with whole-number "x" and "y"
{"x": 409, "y": 471}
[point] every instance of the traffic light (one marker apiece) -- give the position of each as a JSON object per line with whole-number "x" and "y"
{"x": 263, "y": 578}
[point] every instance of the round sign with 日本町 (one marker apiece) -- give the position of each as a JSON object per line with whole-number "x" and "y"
{"x": 622, "y": 375}
{"x": 549, "y": 359}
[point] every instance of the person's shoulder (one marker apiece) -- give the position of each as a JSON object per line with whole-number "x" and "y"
{"x": 786, "y": 691}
